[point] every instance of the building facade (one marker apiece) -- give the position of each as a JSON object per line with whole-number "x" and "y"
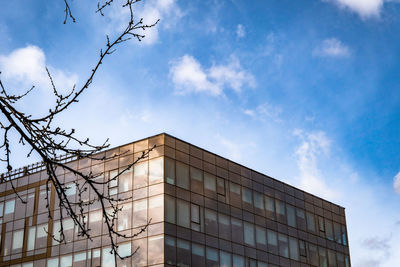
{"x": 205, "y": 211}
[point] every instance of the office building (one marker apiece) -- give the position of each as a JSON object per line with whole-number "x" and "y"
{"x": 205, "y": 210}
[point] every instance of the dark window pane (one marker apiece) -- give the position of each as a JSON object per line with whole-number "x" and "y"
{"x": 294, "y": 249}
{"x": 323, "y": 261}
{"x": 211, "y": 222}
{"x": 237, "y": 230}
{"x": 283, "y": 245}
{"x": 310, "y": 222}
{"x": 291, "y": 218}
{"x": 183, "y": 210}
{"x": 169, "y": 171}
{"x": 212, "y": 257}
{"x": 249, "y": 234}
{"x": 182, "y": 175}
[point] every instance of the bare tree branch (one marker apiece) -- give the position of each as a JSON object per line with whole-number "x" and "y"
{"x": 49, "y": 141}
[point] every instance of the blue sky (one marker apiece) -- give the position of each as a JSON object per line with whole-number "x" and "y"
{"x": 306, "y": 91}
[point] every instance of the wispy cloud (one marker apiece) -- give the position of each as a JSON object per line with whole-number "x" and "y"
{"x": 332, "y": 47}
{"x": 396, "y": 183}
{"x": 265, "y": 111}
{"x": 240, "y": 31}
{"x": 364, "y": 8}
{"x": 188, "y": 76}
{"x": 313, "y": 145}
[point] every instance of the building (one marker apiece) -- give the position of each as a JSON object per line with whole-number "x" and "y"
{"x": 205, "y": 210}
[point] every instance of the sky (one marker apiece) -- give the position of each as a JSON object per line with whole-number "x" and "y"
{"x": 305, "y": 91}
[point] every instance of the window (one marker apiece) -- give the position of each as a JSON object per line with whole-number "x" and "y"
{"x": 70, "y": 189}
{"x": 156, "y": 208}
{"x": 195, "y": 217}
{"x": 1, "y": 208}
{"x": 258, "y": 201}
{"x": 52, "y": 262}
{"x": 197, "y": 180}
{"x": 32, "y": 235}
{"x": 247, "y": 196}
{"x": 221, "y": 186}
{"x": 18, "y": 240}
{"x": 170, "y": 250}
{"x": 95, "y": 218}
{"x": 9, "y": 207}
{"x": 238, "y": 261}
{"x": 300, "y": 219}
{"x": 211, "y": 222}
{"x": 252, "y": 263}
{"x": 183, "y": 210}
{"x": 139, "y": 212}
{"x": 280, "y": 207}
{"x": 294, "y": 249}
{"x": 283, "y": 245}
{"x": 261, "y": 236}
{"x": 169, "y": 171}
{"x": 321, "y": 224}
{"x": 340, "y": 260}
{"x": 107, "y": 258}
{"x": 80, "y": 259}
{"x": 224, "y": 226}
{"x": 344, "y": 236}
{"x": 329, "y": 229}
{"x": 235, "y": 198}
{"x": 156, "y": 170}
{"x": 66, "y": 261}
{"x": 210, "y": 182}
{"x": 313, "y": 260}
{"x": 156, "y": 253}
{"x": 331, "y": 258}
{"x": 237, "y": 230}
{"x": 182, "y": 175}
{"x": 212, "y": 257}
{"x": 183, "y": 253}
{"x": 125, "y": 216}
{"x": 347, "y": 261}
{"x": 291, "y": 218}
{"x": 195, "y": 213}
{"x": 113, "y": 182}
{"x": 310, "y": 222}
{"x": 169, "y": 209}
{"x": 302, "y": 248}
{"x": 125, "y": 180}
{"x": 323, "y": 261}
{"x": 198, "y": 255}
{"x": 41, "y": 235}
{"x": 140, "y": 258}
{"x": 272, "y": 238}
{"x": 270, "y": 208}
{"x": 336, "y": 230}
{"x": 249, "y": 233}
{"x": 225, "y": 259}
{"x": 140, "y": 172}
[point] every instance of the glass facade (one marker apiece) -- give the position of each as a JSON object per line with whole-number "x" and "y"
{"x": 203, "y": 210}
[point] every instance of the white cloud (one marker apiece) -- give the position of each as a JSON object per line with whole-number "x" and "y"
{"x": 396, "y": 183}
{"x": 167, "y": 11}
{"x": 189, "y": 76}
{"x": 240, "y": 31}
{"x": 364, "y": 8}
{"x": 27, "y": 66}
{"x": 332, "y": 47}
{"x": 263, "y": 111}
{"x": 313, "y": 146}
